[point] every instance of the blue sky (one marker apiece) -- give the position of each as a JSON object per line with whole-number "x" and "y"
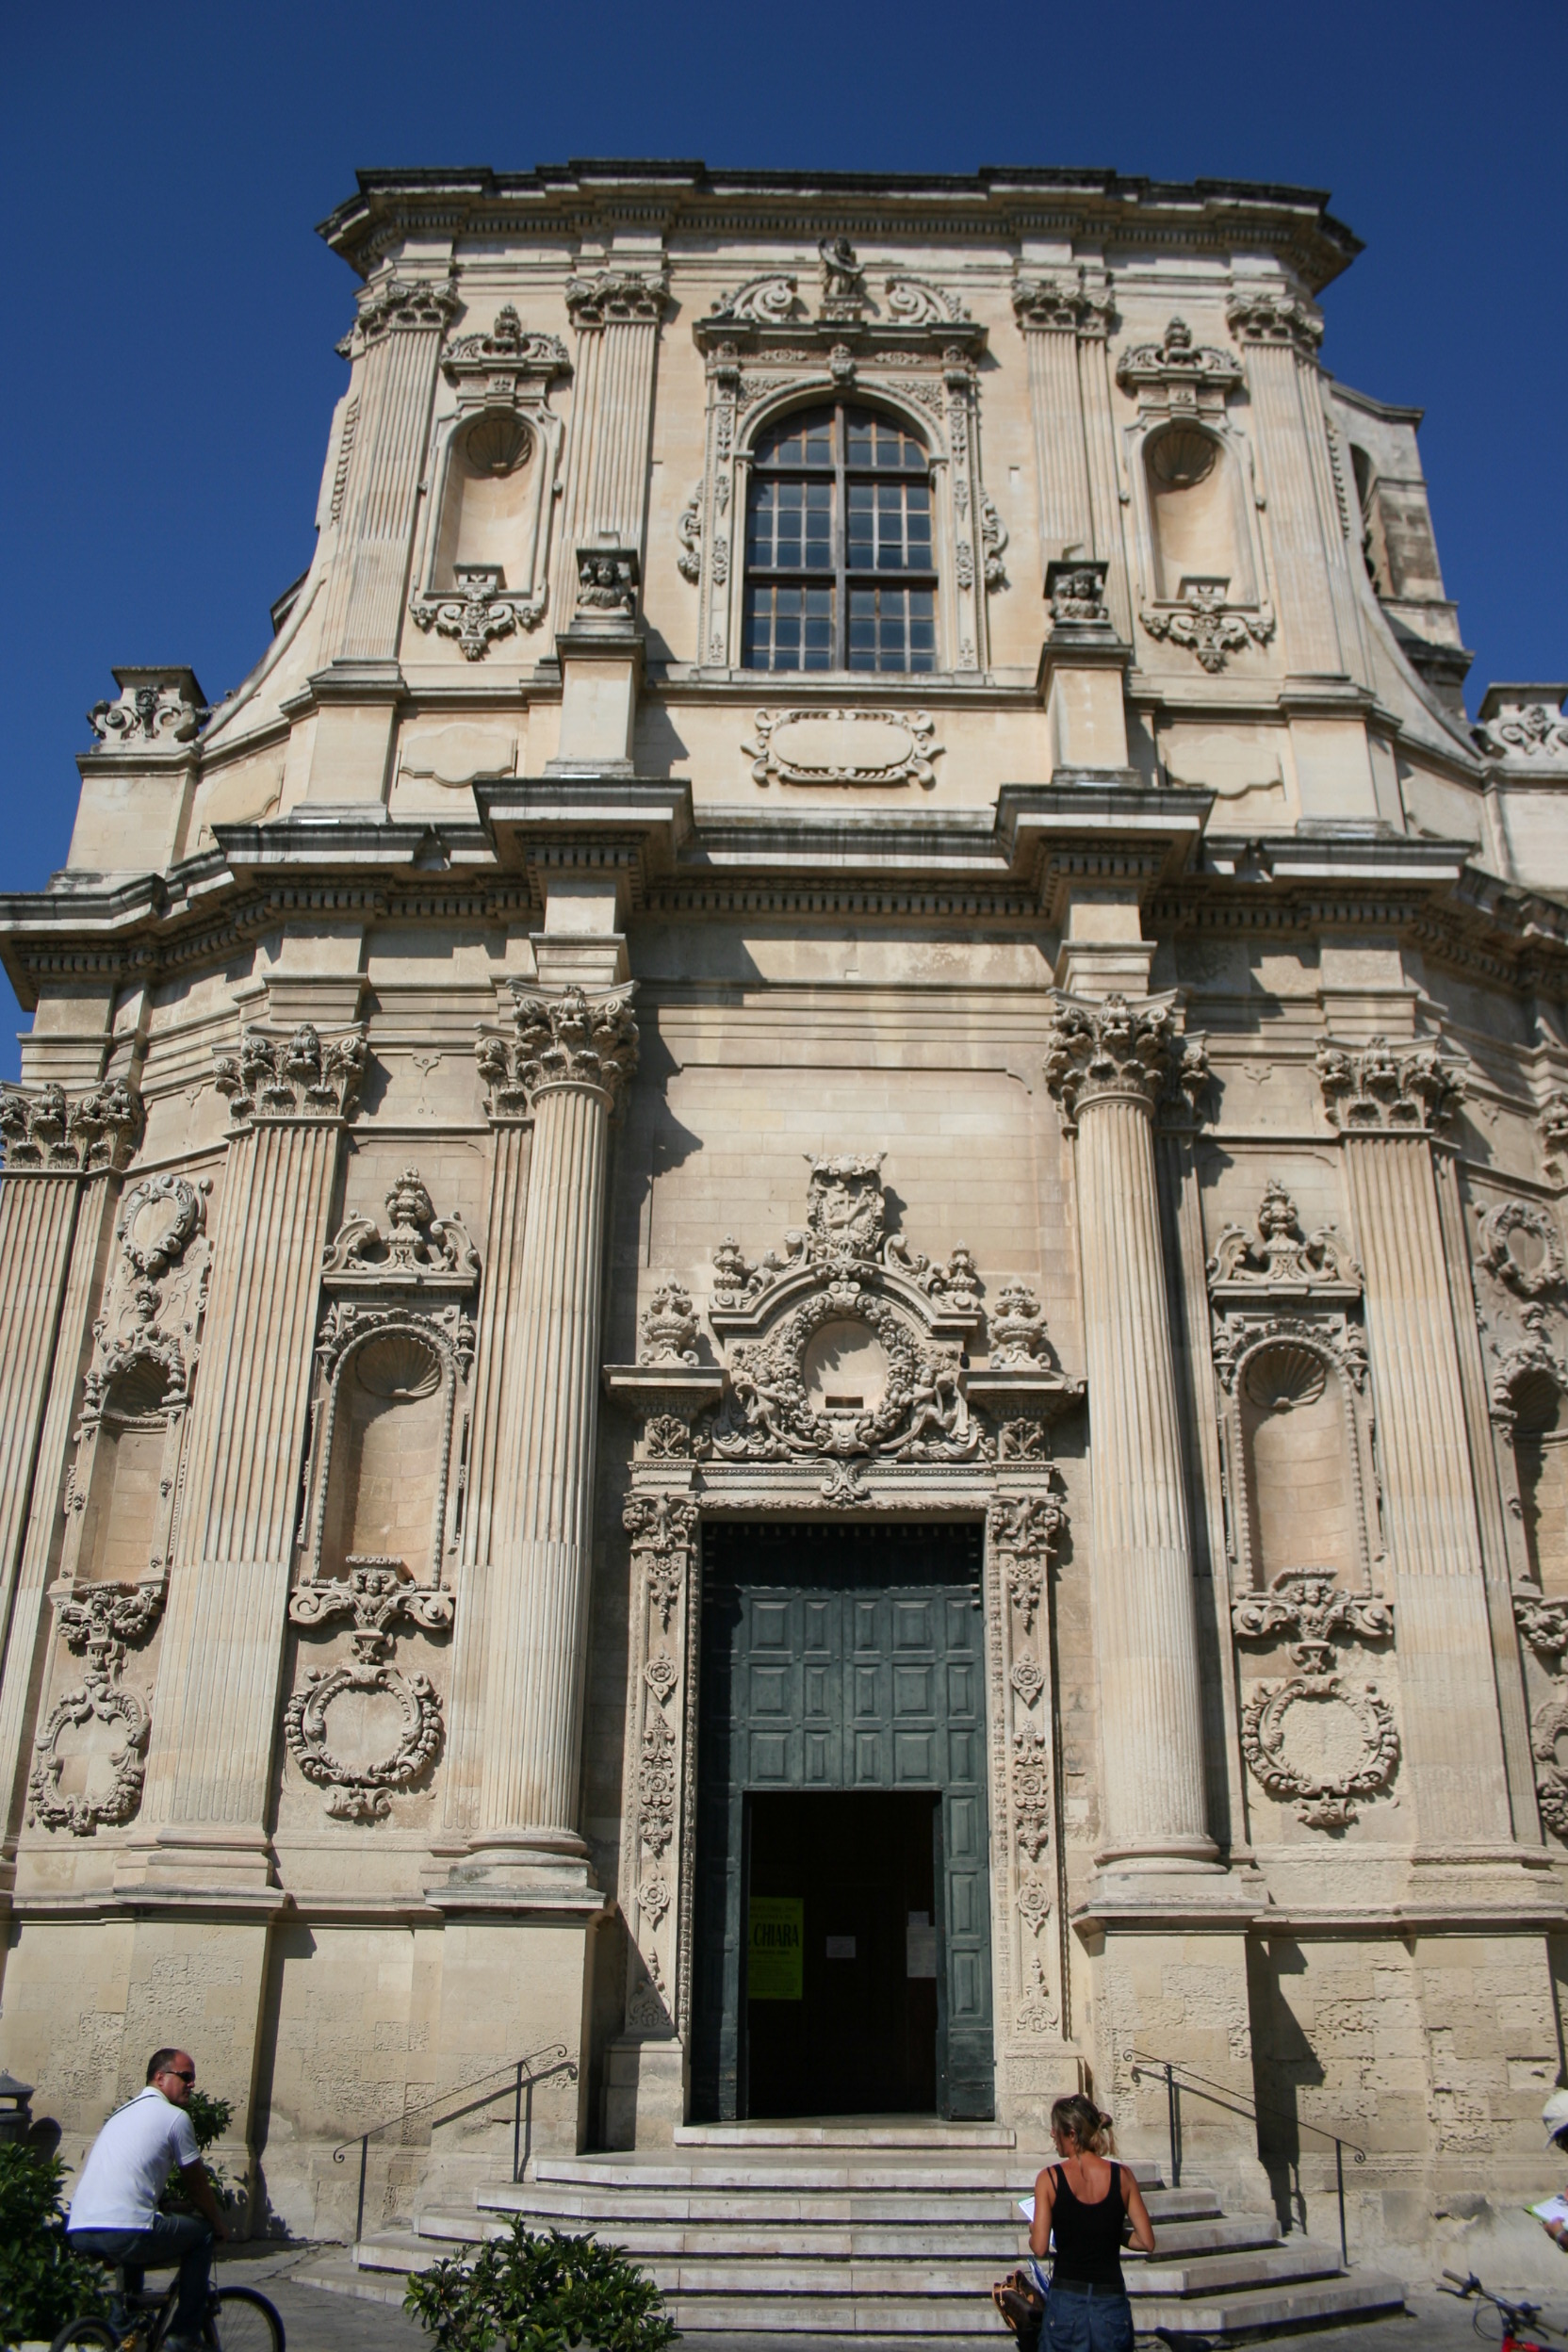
{"x": 171, "y": 315}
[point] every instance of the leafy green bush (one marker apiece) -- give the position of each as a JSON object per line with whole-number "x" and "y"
{"x": 42, "y": 2284}
{"x": 544, "y": 2294}
{"x": 209, "y": 2120}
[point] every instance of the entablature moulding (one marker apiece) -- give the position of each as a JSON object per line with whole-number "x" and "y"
{"x": 207, "y": 910}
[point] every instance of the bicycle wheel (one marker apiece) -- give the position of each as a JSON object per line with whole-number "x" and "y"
{"x": 245, "y": 2322}
{"x": 88, "y": 2334}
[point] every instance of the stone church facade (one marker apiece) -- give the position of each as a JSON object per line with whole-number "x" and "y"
{"x": 807, "y": 1185}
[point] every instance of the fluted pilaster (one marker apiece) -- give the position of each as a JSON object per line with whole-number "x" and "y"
{"x": 215, "y": 1708}
{"x": 1110, "y": 1065}
{"x": 396, "y": 344}
{"x": 1280, "y": 336}
{"x": 1056, "y": 406}
{"x": 1389, "y": 1103}
{"x": 616, "y": 313}
{"x": 492, "y": 1458}
{"x": 572, "y": 1057}
{"x": 53, "y": 1218}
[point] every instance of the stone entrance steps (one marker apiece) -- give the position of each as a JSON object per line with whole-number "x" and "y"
{"x": 875, "y": 2230}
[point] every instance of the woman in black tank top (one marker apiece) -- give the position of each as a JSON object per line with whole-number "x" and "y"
{"x": 1081, "y": 2204}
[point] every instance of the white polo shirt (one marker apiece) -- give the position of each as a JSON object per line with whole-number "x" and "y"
{"x": 131, "y": 2160}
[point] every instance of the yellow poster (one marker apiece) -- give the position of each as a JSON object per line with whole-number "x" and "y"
{"x": 776, "y": 1948}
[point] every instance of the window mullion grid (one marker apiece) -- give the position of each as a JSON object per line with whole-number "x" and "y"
{"x": 841, "y": 543}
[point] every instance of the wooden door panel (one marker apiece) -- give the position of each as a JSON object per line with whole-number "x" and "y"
{"x": 846, "y": 1658}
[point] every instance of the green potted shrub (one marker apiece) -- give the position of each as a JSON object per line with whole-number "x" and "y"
{"x": 543, "y": 2293}
{"x": 42, "y": 2284}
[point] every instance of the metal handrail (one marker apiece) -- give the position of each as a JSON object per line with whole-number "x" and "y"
{"x": 519, "y": 2076}
{"x": 1225, "y": 2094}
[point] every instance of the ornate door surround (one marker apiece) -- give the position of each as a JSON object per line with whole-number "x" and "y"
{"x": 839, "y": 1383}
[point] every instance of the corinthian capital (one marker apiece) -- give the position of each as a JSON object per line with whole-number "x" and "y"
{"x": 1372, "y": 1089}
{"x": 1265, "y": 316}
{"x": 45, "y": 1129}
{"x": 565, "y": 1040}
{"x": 300, "y": 1076}
{"x": 1112, "y": 1049}
{"x": 402, "y": 306}
{"x": 618, "y": 298}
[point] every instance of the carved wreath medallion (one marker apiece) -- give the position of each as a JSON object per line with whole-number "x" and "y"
{"x": 358, "y": 1790}
{"x": 1321, "y": 1741}
{"x": 379, "y": 1596}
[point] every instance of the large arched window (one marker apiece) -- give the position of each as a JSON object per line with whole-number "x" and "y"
{"x": 840, "y": 567}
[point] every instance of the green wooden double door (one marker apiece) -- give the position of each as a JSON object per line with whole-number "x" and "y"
{"x": 842, "y": 1956}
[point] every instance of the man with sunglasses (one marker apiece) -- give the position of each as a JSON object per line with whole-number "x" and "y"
{"x": 114, "y": 2212}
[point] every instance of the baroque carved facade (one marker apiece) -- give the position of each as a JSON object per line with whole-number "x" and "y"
{"x": 658, "y": 1040}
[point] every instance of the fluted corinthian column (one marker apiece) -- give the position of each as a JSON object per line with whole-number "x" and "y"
{"x": 61, "y": 1157}
{"x": 395, "y": 346}
{"x": 572, "y": 1056}
{"x": 1109, "y": 1065}
{"x": 1388, "y": 1104}
{"x": 1280, "y": 337}
{"x": 215, "y": 1709}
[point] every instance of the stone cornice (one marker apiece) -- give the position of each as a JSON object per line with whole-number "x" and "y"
{"x": 1015, "y": 861}
{"x": 686, "y": 198}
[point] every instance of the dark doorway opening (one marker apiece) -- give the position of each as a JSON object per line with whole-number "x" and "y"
{"x": 853, "y": 2012}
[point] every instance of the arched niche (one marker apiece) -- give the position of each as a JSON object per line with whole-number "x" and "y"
{"x": 1541, "y": 1468}
{"x": 488, "y": 499}
{"x": 383, "y": 1474}
{"x": 1297, "y": 1440}
{"x": 126, "y": 1475}
{"x": 1298, "y": 1456}
{"x": 1196, "y": 522}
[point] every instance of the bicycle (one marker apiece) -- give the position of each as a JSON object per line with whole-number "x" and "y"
{"x": 1515, "y": 2316}
{"x": 237, "y": 2320}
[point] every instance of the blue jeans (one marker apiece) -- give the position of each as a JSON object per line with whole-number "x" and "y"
{"x": 183, "y": 2238}
{"x": 1086, "y": 2323}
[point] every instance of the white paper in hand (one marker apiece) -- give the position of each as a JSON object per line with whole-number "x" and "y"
{"x": 1551, "y": 2209}
{"x": 1026, "y": 2207}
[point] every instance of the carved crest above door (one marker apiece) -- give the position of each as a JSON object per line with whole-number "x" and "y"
{"x": 846, "y": 1347}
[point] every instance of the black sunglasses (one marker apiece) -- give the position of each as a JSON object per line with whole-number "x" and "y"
{"x": 179, "y": 2074}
